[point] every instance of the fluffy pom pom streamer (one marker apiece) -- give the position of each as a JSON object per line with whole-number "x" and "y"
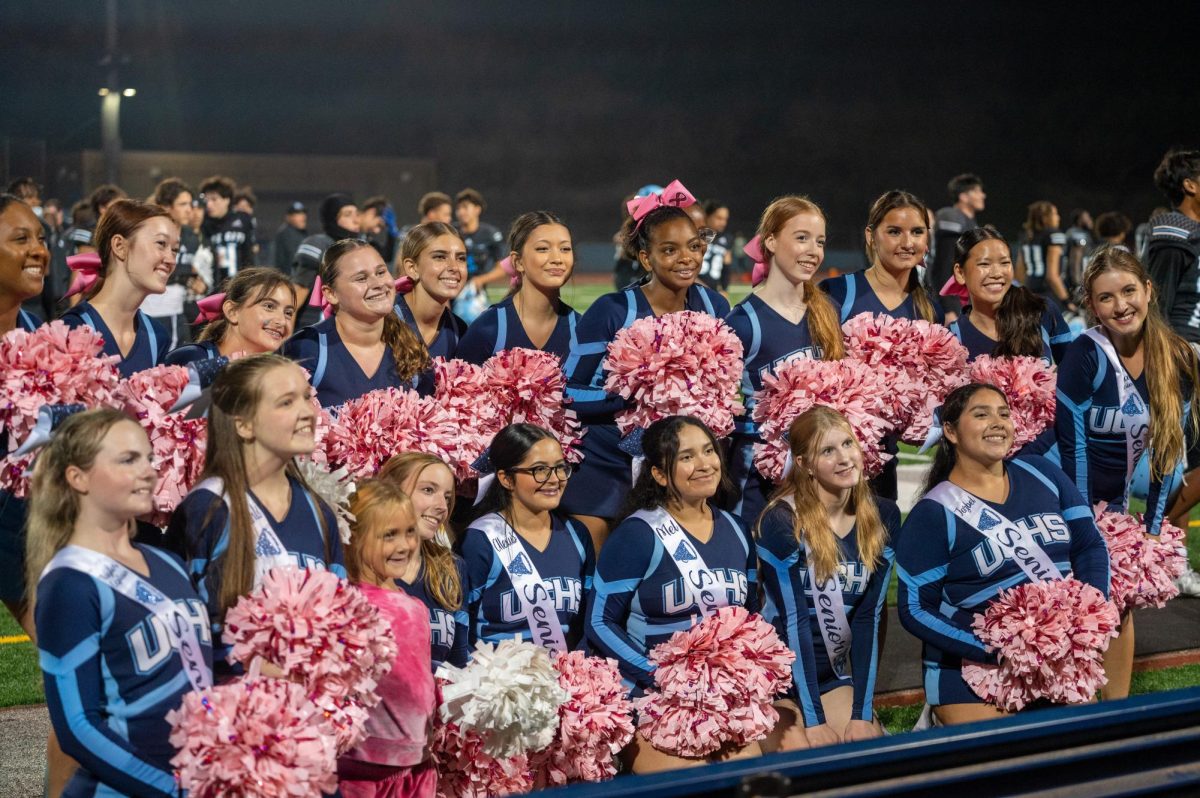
{"x": 368, "y": 430}
{"x": 1049, "y": 638}
{"x": 857, "y": 391}
{"x": 920, "y": 362}
{"x": 461, "y": 390}
{"x": 1028, "y": 384}
{"x": 466, "y": 770}
{"x": 314, "y": 626}
{"x": 509, "y": 694}
{"x": 528, "y": 386}
{"x": 335, "y": 487}
{"x": 257, "y": 738}
{"x": 594, "y": 724}
{"x": 715, "y": 685}
{"x": 1143, "y": 568}
{"x": 684, "y": 363}
{"x": 153, "y": 390}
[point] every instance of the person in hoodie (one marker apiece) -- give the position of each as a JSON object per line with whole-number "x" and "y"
{"x": 339, "y": 220}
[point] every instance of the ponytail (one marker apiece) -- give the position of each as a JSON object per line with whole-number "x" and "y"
{"x": 1019, "y": 323}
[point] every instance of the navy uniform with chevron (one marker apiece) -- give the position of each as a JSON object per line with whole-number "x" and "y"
{"x": 949, "y": 570}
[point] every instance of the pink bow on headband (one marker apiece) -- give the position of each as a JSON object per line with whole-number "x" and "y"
{"x": 210, "y": 308}
{"x": 674, "y": 194}
{"x": 405, "y": 285}
{"x": 955, "y": 288}
{"x": 511, "y": 271}
{"x": 87, "y": 271}
{"x": 754, "y": 251}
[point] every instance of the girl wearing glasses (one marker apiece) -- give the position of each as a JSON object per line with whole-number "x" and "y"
{"x": 528, "y": 567}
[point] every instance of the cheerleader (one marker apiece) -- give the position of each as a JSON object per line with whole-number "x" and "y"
{"x": 528, "y": 568}
{"x": 675, "y": 538}
{"x": 136, "y": 244}
{"x": 363, "y": 346}
{"x": 661, "y": 236}
{"x": 121, "y": 633}
{"x": 254, "y": 314}
{"x": 950, "y": 570}
{"x": 24, "y": 261}
{"x": 533, "y": 315}
{"x": 434, "y": 260}
{"x": 1002, "y": 319}
{"x": 897, "y": 240}
{"x": 784, "y": 318}
{"x": 435, "y": 574}
{"x": 1040, "y": 261}
{"x": 251, "y": 510}
{"x": 826, "y": 550}
{"x": 1125, "y": 390}
{"x": 393, "y": 758}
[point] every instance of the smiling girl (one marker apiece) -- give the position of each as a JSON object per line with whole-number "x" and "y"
{"x": 254, "y": 314}
{"x": 434, "y": 259}
{"x": 137, "y": 244}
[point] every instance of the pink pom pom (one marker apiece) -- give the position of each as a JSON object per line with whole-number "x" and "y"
{"x": 1050, "y": 639}
{"x": 529, "y": 387}
{"x": 715, "y": 685}
{"x": 316, "y": 627}
{"x": 595, "y": 723}
{"x": 1028, "y": 384}
{"x": 1143, "y": 568}
{"x": 461, "y": 391}
{"x": 465, "y": 770}
{"x": 684, "y": 363}
{"x": 857, "y": 391}
{"x": 153, "y": 390}
{"x": 251, "y": 737}
{"x": 921, "y": 362}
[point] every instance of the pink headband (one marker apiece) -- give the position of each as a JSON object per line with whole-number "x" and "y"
{"x": 87, "y": 271}
{"x": 317, "y": 298}
{"x": 210, "y": 308}
{"x": 674, "y": 195}
{"x": 754, "y": 250}
{"x": 955, "y": 288}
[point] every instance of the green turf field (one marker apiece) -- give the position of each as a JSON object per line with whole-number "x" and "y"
{"x": 20, "y": 678}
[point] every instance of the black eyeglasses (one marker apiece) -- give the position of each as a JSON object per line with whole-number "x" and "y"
{"x": 541, "y": 474}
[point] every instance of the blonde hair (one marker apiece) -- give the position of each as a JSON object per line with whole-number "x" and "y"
{"x": 1168, "y": 359}
{"x": 823, "y": 324}
{"x": 53, "y": 504}
{"x": 441, "y": 573}
{"x": 375, "y": 505}
{"x": 812, "y": 526}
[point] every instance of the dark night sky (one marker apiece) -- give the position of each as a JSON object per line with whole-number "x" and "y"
{"x": 570, "y": 105}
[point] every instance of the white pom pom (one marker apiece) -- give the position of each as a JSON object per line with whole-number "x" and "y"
{"x": 335, "y": 488}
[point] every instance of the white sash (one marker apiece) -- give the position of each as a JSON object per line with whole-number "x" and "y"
{"x": 1013, "y": 542}
{"x": 1133, "y": 410}
{"x": 269, "y": 551}
{"x": 698, "y": 580}
{"x": 532, "y": 595}
{"x": 831, "y": 611}
{"x": 181, "y": 632}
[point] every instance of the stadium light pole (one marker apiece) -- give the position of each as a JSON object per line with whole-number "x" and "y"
{"x": 110, "y": 101}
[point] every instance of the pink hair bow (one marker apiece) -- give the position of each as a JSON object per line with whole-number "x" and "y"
{"x": 210, "y": 308}
{"x": 511, "y": 271}
{"x": 405, "y": 285}
{"x": 955, "y": 288}
{"x": 87, "y": 271}
{"x": 756, "y": 253}
{"x": 317, "y": 299}
{"x": 674, "y": 194}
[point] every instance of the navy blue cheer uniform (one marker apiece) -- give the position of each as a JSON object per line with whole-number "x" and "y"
{"x": 451, "y": 329}
{"x": 499, "y": 328}
{"x": 639, "y": 598}
{"x": 605, "y": 477}
{"x": 768, "y": 342}
{"x": 950, "y": 572}
{"x": 190, "y": 353}
{"x": 1056, "y": 335}
{"x": 200, "y": 526}
{"x": 150, "y": 345}
{"x": 1091, "y": 431}
{"x": 112, "y": 675}
{"x": 788, "y": 604}
{"x": 12, "y": 513}
{"x": 333, "y": 372}
{"x": 566, "y": 566}
{"x": 449, "y": 629}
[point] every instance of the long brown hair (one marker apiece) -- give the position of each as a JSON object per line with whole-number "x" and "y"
{"x": 441, "y": 573}
{"x": 122, "y": 218}
{"x": 53, "y": 504}
{"x": 888, "y": 202}
{"x": 236, "y": 393}
{"x": 408, "y": 350}
{"x": 374, "y": 505}
{"x": 1168, "y": 359}
{"x": 247, "y": 287}
{"x": 812, "y": 526}
{"x": 823, "y": 323}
